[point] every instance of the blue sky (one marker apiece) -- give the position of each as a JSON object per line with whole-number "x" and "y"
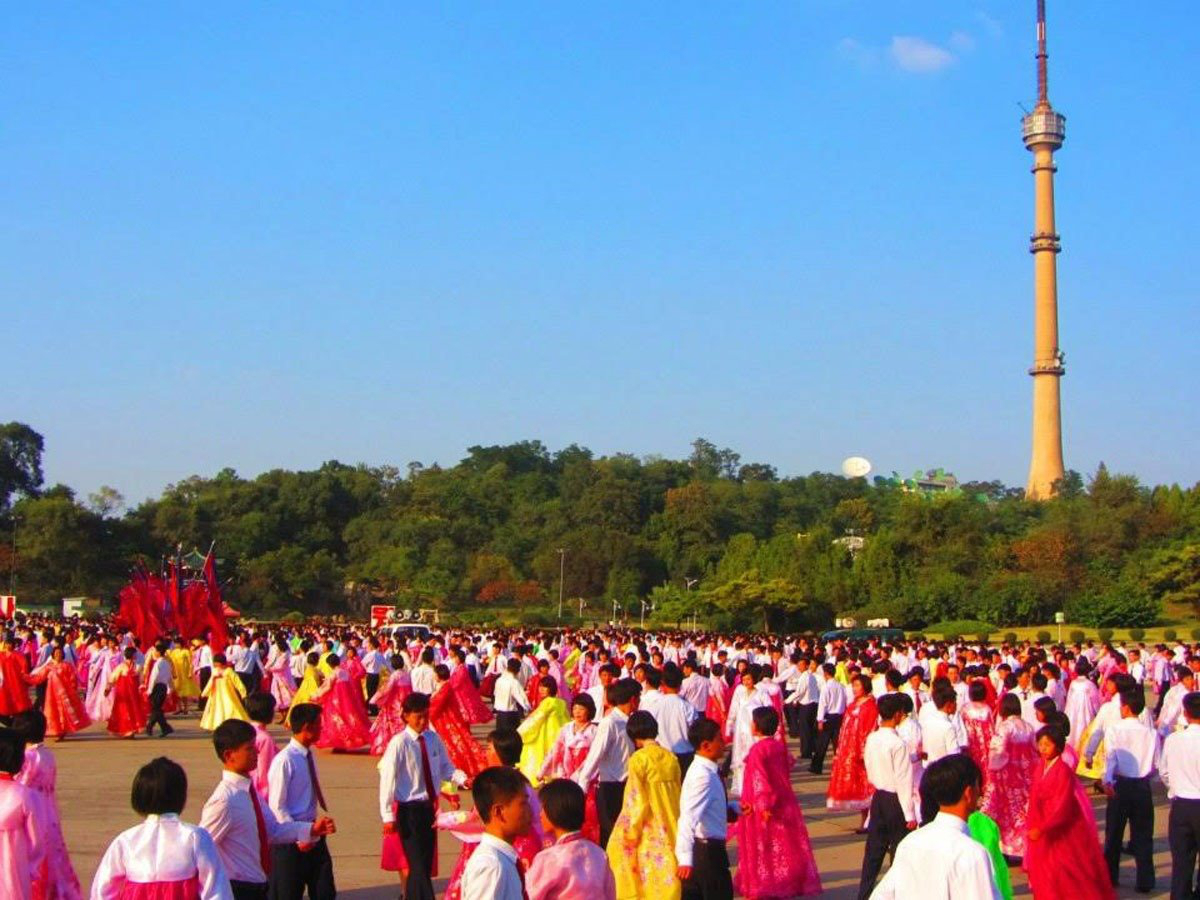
{"x": 261, "y": 236}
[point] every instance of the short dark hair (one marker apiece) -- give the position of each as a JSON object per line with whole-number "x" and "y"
{"x": 977, "y": 691}
{"x": 672, "y": 677}
{"x": 641, "y": 726}
{"x": 702, "y": 730}
{"x": 943, "y": 694}
{"x": 414, "y": 703}
{"x": 1044, "y": 704}
{"x": 766, "y": 720}
{"x": 497, "y": 784}
{"x": 564, "y": 803}
{"x": 946, "y": 779}
{"x": 586, "y": 701}
{"x": 1135, "y": 699}
{"x": 551, "y": 686}
{"x": 622, "y": 691}
{"x": 12, "y": 750}
{"x": 1191, "y": 704}
{"x": 231, "y": 734}
{"x": 888, "y": 705}
{"x": 260, "y": 707}
{"x": 513, "y": 665}
{"x": 1053, "y": 733}
{"x": 442, "y": 671}
{"x": 159, "y": 788}
{"x": 31, "y": 724}
{"x": 1010, "y": 705}
{"x": 302, "y": 714}
{"x": 508, "y": 744}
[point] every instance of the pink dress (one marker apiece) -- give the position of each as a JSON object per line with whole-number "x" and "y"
{"x": 161, "y": 859}
{"x": 566, "y": 755}
{"x": 345, "y": 725}
{"x": 65, "y": 713}
{"x": 775, "y": 857}
{"x": 572, "y": 869}
{"x": 466, "y": 697}
{"x": 978, "y": 722}
{"x": 267, "y": 750}
{"x": 1012, "y": 760}
{"x": 55, "y": 878}
{"x": 465, "y": 752}
{"x": 1066, "y": 860}
{"x": 283, "y": 685}
{"x": 388, "y": 700}
{"x": 21, "y": 842}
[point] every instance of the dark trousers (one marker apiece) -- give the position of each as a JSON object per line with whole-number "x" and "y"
{"x": 158, "y": 696}
{"x": 827, "y": 737}
{"x": 248, "y": 890}
{"x": 293, "y": 871}
{"x": 1183, "y": 836}
{"x": 372, "y": 687}
{"x": 886, "y": 829}
{"x": 39, "y": 696}
{"x": 710, "y": 872}
{"x": 806, "y": 727}
{"x": 509, "y": 721}
{"x": 685, "y": 761}
{"x": 205, "y": 674}
{"x": 1131, "y": 803}
{"x": 609, "y": 797}
{"x": 414, "y": 825}
{"x": 250, "y": 681}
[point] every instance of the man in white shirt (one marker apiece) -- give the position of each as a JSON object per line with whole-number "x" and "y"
{"x": 941, "y": 861}
{"x": 890, "y": 771}
{"x": 608, "y": 758}
{"x": 422, "y": 674}
{"x": 158, "y": 683}
{"x": 674, "y": 716}
{"x": 1130, "y": 747}
{"x": 800, "y": 704}
{"x": 703, "y": 825}
{"x": 831, "y": 706}
{"x": 509, "y": 698}
{"x": 242, "y": 826}
{"x": 492, "y": 872}
{"x": 695, "y": 687}
{"x": 375, "y": 664}
{"x": 1180, "y": 772}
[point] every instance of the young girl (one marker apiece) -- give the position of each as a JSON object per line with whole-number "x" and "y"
{"x": 163, "y": 858}
{"x": 540, "y": 730}
{"x": 65, "y": 713}
{"x": 345, "y": 725}
{"x": 223, "y": 695}
{"x": 55, "y": 877}
{"x": 641, "y": 849}
{"x": 261, "y": 709}
{"x": 21, "y": 826}
{"x": 775, "y": 857}
{"x": 389, "y": 700}
{"x": 848, "y": 785}
{"x": 130, "y": 709}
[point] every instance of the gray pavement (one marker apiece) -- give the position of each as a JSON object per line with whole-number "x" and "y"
{"x": 95, "y": 772}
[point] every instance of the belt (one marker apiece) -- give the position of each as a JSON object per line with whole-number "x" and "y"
{"x": 1133, "y": 778}
{"x": 711, "y": 842}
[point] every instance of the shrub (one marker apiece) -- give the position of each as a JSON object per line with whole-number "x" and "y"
{"x": 1010, "y": 637}
{"x": 953, "y": 638}
{"x": 916, "y": 636}
{"x": 1043, "y": 637}
{"x": 1196, "y": 634}
{"x": 960, "y": 627}
{"x": 1077, "y": 636}
{"x": 293, "y": 617}
{"x": 1122, "y": 603}
{"x": 1170, "y": 634}
{"x": 1106, "y": 635}
{"x": 1137, "y": 634}
{"x": 982, "y": 636}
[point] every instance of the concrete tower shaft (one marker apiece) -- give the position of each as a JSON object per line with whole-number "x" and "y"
{"x": 1043, "y": 131}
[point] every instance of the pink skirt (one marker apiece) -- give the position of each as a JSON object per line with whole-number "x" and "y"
{"x": 188, "y": 889}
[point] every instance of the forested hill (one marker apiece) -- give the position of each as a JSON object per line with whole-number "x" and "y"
{"x": 731, "y": 541}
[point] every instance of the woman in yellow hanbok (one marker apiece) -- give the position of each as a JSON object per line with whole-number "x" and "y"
{"x": 540, "y": 730}
{"x": 224, "y": 693}
{"x": 641, "y": 851}
{"x": 182, "y": 682}
{"x": 309, "y": 684}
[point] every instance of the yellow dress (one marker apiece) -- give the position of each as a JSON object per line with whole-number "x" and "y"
{"x": 569, "y": 666}
{"x": 538, "y": 733}
{"x": 308, "y": 686}
{"x": 1097, "y": 768}
{"x": 641, "y": 851}
{"x": 224, "y": 692}
{"x": 181, "y": 677}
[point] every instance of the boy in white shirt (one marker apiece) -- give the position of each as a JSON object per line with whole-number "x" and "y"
{"x": 492, "y": 872}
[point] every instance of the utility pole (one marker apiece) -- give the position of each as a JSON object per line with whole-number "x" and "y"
{"x": 562, "y": 568}
{"x": 12, "y": 563}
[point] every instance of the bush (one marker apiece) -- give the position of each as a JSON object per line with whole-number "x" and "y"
{"x": 952, "y": 638}
{"x": 1137, "y": 634}
{"x": 1077, "y": 636}
{"x": 1170, "y": 634}
{"x": 1122, "y": 603}
{"x": 982, "y": 636}
{"x": 1106, "y": 635}
{"x": 293, "y": 617}
{"x": 916, "y": 636}
{"x": 1196, "y": 634}
{"x": 960, "y": 627}
{"x": 1010, "y": 637}
{"x": 1043, "y": 637}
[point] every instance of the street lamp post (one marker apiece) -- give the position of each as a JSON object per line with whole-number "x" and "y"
{"x": 687, "y": 584}
{"x": 12, "y": 563}
{"x": 562, "y": 567}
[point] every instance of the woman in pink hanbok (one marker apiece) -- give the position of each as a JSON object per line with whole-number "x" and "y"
{"x": 99, "y": 701}
{"x": 279, "y": 670}
{"x": 1063, "y": 857}
{"x": 1012, "y": 760}
{"x": 55, "y": 878}
{"x": 21, "y": 826}
{"x": 65, "y": 712}
{"x": 569, "y": 751}
{"x": 775, "y": 857}
{"x": 979, "y": 724}
{"x": 345, "y": 725}
{"x": 388, "y": 700}
{"x": 1083, "y": 702}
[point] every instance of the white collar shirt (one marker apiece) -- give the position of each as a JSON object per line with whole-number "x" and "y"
{"x": 508, "y": 696}
{"x": 832, "y": 700}
{"x": 491, "y": 872}
{"x": 939, "y": 737}
{"x": 889, "y": 767}
{"x": 290, "y": 792}
{"x": 1180, "y": 765}
{"x": 695, "y": 691}
{"x": 422, "y": 679}
{"x": 702, "y": 809}
{"x": 229, "y": 818}
{"x": 401, "y": 775}
{"x": 674, "y": 715}
{"x": 608, "y": 758}
{"x": 940, "y": 861}
{"x": 1129, "y": 750}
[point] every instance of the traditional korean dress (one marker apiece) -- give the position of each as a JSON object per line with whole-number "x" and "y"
{"x": 775, "y": 856}
{"x": 641, "y": 849}
{"x": 279, "y": 670}
{"x": 388, "y": 700}
{"x": 64, "y": 708}
{"x": 55, "y": 878}
{"x": 849, "y": 787}
{"x": 162, "y": 859}
{"x": 21, "y": 839}
{"x": 224, "y": 693}
{"x": 309, "y": 685}
{"x": 267, "y": 751}
{"x": 538, "y": 734}
{"x": 978, "y": 722}
{"x": 465, "y": 752}
{"x": 567, "y": 754}
{"x": 1066, "y": 860}
{"x": 99, "y": 700}
{"x": 14, "y": 688}
{"x": 344, "y": 725}
{"x": 466, "y": 696}
{"x": 130, "y": 708}
{"x": 1083, "y": 702}
{"x": 183, "y": 680}
{"x": 718, "y": 700}
{"x": 1012, "y": 761}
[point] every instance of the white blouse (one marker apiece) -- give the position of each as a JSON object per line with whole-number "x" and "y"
{"x": 161, "y": 849}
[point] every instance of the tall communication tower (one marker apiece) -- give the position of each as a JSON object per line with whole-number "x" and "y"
{"x": 1044, "y": 131}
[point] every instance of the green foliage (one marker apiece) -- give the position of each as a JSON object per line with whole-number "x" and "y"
{"x": 20, "y": 462}
{"x": 1077, "y": 636}
{"x": 1105, "y": 634}
{"x": 1043, "y": 637}
{"x": 293, "y": 617}
{"x": 960, "y": 627}
{"x": 1124, "y": 602}
{"x": 1195, "y": 634}
{"x": 1170, "y": 634}
{"x": 1010, "y": 637}
{"x": 1137, "y": 634}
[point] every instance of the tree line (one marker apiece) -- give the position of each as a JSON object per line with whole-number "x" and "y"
{"x": 515, "y": 527}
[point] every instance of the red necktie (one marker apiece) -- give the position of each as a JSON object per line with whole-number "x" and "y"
{"x": 316, "y": 785}
{"x": 521, "y": 875}
{"x": 264, "y": 848}
{"x": 426, "y": 771}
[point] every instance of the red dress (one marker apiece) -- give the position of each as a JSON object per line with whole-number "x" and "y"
{"x": 849, "y": 788}
{"x": 466, "y": 697}
{"x": 14, "y": 689}
{"x": 1066, "y": 861}
{"x": 65, "y": 713}
{"x": 130, "y": 709}
{"x": 344, "y": 725}
{"x": 447, "y": 721}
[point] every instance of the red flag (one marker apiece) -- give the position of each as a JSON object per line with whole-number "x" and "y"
{"x": 219, "y": 636}
{"x": 137, "y": 611}
{"x": 193, "y": 610}
{"x": 173, "y": 597}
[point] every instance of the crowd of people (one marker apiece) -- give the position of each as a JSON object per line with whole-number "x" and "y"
{"x": 616, "y": 764}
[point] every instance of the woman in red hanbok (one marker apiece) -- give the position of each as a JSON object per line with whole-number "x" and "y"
{"x": 849, "y": 788}
{"x": 64, "y": 709}
{"x": 1063, "y": 858}
{"x": 466, "y": 696}
{"x": 775, "y": 856}
{"x": 718, "y": 696}
{"x": 130, "y": 708}
{"x": 569, "y": 751}
{"x": 979, "y": 724}
{"x": 345, "y": 725}
{"x": 14, "y": 686}
{"x": 465, "y": 752}
{"x": 388, "y": 700}
{"x": 1012, "y": 760}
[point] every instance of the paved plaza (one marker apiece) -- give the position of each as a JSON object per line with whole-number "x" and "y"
{"x": 95, "y": 773}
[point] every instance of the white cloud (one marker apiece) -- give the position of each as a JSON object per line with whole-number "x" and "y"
{"x": 914, "y": 54}
{"x": 961, "y": 42}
